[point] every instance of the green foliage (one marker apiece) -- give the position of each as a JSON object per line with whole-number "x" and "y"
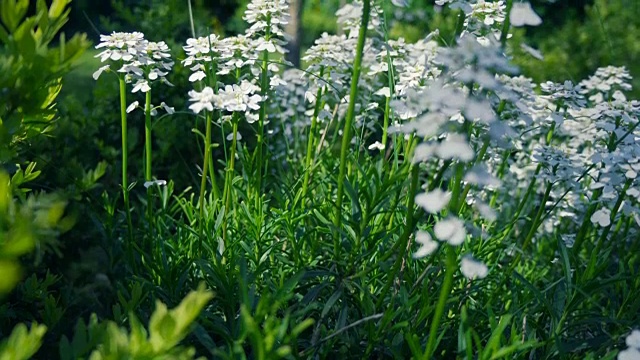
{"x": 36, "y": 220}
{"x": 607, "y": 34}
{"x": 166, "y": 329}
{"x": 23, "y": 343}
{"x": 32, "y": 69}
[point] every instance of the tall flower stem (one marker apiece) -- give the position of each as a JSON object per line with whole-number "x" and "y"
{"x": 310, "y": 140}
{"x": 230, "y": 169}
{"x": 346, "y": 135}
{"x": 264, "y": 89}
{"x": 125, "y": 151}
{"x": 148, "y": 157}
{"x": 447, "y": 284}
{"x": 205, "y": 169}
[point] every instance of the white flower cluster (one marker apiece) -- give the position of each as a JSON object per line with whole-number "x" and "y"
{"x": 267, "y": 16}
{"x": 240, "y": 98}
{"x": 349, "y": 18}
{"x": 602, "y": 85}
{"x": 200, "y": 52}
{"x": 485, "y": 20}
{"x": 141, "y": 61}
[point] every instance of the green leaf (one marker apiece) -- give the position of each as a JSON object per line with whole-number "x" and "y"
{"x": 12, "y": 12}
{"x": 332, "y": 300}
{"x": 168, "y": 327}
{"x": 23, "y": 343}
{"x": 57, "y": 7}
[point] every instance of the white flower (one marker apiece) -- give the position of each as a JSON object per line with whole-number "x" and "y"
{"x": 202, "y": 100}
{"x": 148, "y": 184}
{"x": 629, "y": 354}
{"x": 522, "y": 14}
{"x": 99, "y": 72}
{"x": 141, "y": 85}
{"x": 479, "y": 175}
{"x": 376, "y": 146}
{"x": 602, "y": 217}
{"x": 238, "y": 137}
{"x": 133, "y": 106}
{"x": 633, "y": 339}
{"x": 239, "y": 98}
{"x": 486, "y": 211}
{"x": 384, "y": 92}
{"x": 473, "y": 269}
{"x": 169, "y": 109}
{"x": 451, "y": 230}
{"x": 434, "y": 201}
{"x": 455, "y": 146}
{"x": 427, "y": 245}
{"x": 400, "y": 3}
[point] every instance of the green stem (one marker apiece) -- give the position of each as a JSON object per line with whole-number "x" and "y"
{"x": 447, "y": 284}
{"x": 401, "y": 244}
{"x": 346, "y": 135}
{"x": 506, "y": 25}
{"x": 264, "y": 89}
{"x": 310, "y": 141}
{"x": 605, "y": 232}
{"x": 501, "y": 171}
{"x": 467, "y": 188}
{"x": 232, "y": 162}
{"x": 535, "y": 223}
{"x": 147, "y": 169}
{"x": 586, "y": 222}
{"x": 203, "y": 180}
{"x": 522, "y": 203}
{"x": 125, "y": 152}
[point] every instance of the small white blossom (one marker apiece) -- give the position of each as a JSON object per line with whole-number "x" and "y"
{"x": 100, "y": 70}
{"x": 522, "y": 14}
{"x": 602, "y": 217}
{"x": 202, "y": 100}
{"x": 133, "y": 106}
{"x": 433, "y": 201}
{"x": 473, "y": 269}
{"x": 376, "y": 146}
{"x": 427, "y": 245}
{"x": 451, "y": 230}
{"x": 148, "y": 184}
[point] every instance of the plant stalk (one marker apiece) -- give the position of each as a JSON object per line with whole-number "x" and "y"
{"x": 346, "y": 135}
{"x": 125, "y": 153}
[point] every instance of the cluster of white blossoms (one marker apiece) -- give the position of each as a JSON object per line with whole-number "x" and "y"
{"x": 141, "y": 61}
{"x": 349, "y": 18}
{"x": 238, "y": 58}
{"x": 485, "y": 20}
{"x": 461, "y": 96}
{"x": 465, "y": 104}
{"x": 242, "y": 98}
